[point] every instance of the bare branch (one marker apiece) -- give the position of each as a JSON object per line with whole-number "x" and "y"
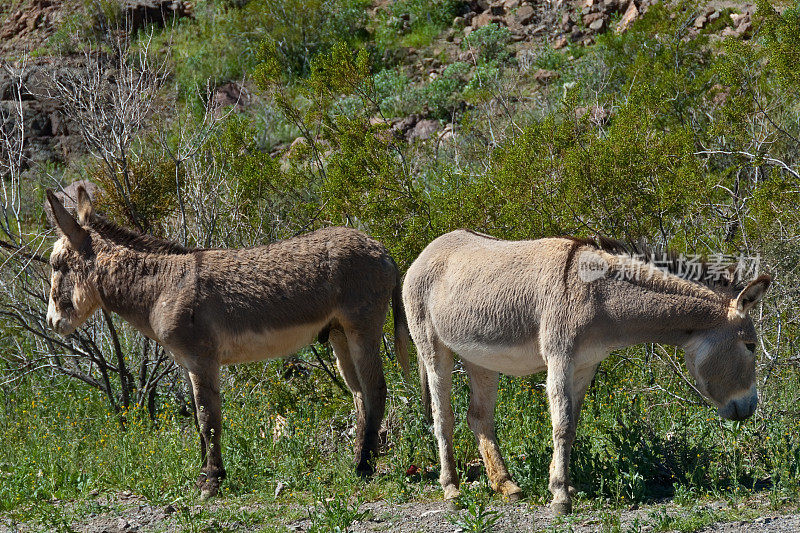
{"x": 753, "y": 157}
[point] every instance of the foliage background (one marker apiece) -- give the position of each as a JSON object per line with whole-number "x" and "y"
{"x": 696, "y": 148}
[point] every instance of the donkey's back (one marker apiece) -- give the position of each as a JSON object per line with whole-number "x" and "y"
{"x": 268, "y": 301}
{"x": 485, "y": 298}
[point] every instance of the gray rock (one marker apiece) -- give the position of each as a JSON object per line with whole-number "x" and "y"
{"x": 424, "y": 129}
{"x": 525, "y": 14}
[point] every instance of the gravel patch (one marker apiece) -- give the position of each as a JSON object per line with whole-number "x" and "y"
{"x": 125, "y": 512}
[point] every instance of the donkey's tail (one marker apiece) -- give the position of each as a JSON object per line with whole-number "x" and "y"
{"x": 401, "y": 334}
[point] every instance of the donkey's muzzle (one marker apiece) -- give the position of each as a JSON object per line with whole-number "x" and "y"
{"x": 739, "y": 408}
{"x": 57, "y": 322}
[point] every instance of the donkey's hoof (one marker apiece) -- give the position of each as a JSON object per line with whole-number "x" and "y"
{"x": 451, "y": 494}
{"x": 561, "y": 508}
{"x": 209, "y": 486}
{"x": 511, "y": 491}
{"x": 365, "y": 472}
{"x": 365, "y": 465}
{"x": 454, "y": 505}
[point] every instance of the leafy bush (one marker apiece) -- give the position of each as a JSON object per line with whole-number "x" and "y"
{"x": 781, "y": 35}
{"x": 147, "y": 186}
{"x": 491, "y": 43}
{"x": 415, "y": 23}
{"x": 443, "y": 94}
{"x": 223, "y": 44}
{"x": 393, "y": 89}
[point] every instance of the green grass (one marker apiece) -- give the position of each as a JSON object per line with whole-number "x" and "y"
{"x": 632, "y": 447}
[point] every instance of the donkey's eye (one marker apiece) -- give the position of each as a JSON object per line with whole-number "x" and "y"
{"x": 751, "y": 346}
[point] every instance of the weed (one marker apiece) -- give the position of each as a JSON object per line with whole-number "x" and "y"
{"x": 336, "y": 514}
{"x": 475, "y": 515}
{"x": 685, "y": 495}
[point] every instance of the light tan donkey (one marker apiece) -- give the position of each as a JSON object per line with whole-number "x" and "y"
{"x": 211, "y": 307}
{"x": 562, "y": 305}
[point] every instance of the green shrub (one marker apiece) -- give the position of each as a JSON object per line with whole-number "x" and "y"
{"x": 781, "y": 39}
{"x": 443, "y": 94}
{"x": 415, "y": 23}
{"x": 394, "y": 92}
{"x": 223, "y": 44}
{"x": 490, "y": 42}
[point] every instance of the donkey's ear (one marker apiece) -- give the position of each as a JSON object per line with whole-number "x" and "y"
{"x": 751, "y": 294}
{"x": 85, "y": 209}
{"x": 66, "y": 223}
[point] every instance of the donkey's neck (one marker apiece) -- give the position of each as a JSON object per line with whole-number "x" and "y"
{"x": 660, "y": 307}
{"x": 130, "y": 282}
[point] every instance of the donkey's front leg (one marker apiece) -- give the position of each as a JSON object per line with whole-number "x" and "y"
{"x": 562, "y": 413}
{"x": 205, "y": 387}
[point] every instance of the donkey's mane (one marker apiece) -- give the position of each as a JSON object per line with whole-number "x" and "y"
{"x": 134, "y": 240}
{"x": 668, "y": 260}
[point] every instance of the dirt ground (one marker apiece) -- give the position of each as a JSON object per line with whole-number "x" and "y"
{"x": 125, "y": 512}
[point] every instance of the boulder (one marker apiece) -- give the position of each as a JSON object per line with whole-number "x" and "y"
{"x": 700, "y": 21}
{"x": 597, "y": 114}
{"x": 231, "y": 94}
{"x": 631, "y": 14}
{"x": 525, "y": 14}
{"x": 158, "y": 12}
{"x": 404, "y": 125}
{"x": 544, "y": 76}
{"x": 482, "y": 20}
{"x": 424, "y": 129}
{"x": 591, "y": 17}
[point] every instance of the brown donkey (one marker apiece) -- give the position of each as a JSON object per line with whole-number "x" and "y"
{"x": 217, "y": 307}
{"x": 562, "y": 305}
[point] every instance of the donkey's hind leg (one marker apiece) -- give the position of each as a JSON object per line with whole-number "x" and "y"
{"x": 359, "y": 362}
{"x": 483, "y": 387}
{"x": 194, "y": 415}
{"x": 438, "y": 361}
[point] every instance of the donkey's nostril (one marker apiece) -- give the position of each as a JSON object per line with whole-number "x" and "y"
{"x": 740, "y": 409}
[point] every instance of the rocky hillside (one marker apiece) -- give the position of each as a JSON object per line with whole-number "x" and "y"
{"x": 35, "y": 31}
{"x": 35, "y": 49}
